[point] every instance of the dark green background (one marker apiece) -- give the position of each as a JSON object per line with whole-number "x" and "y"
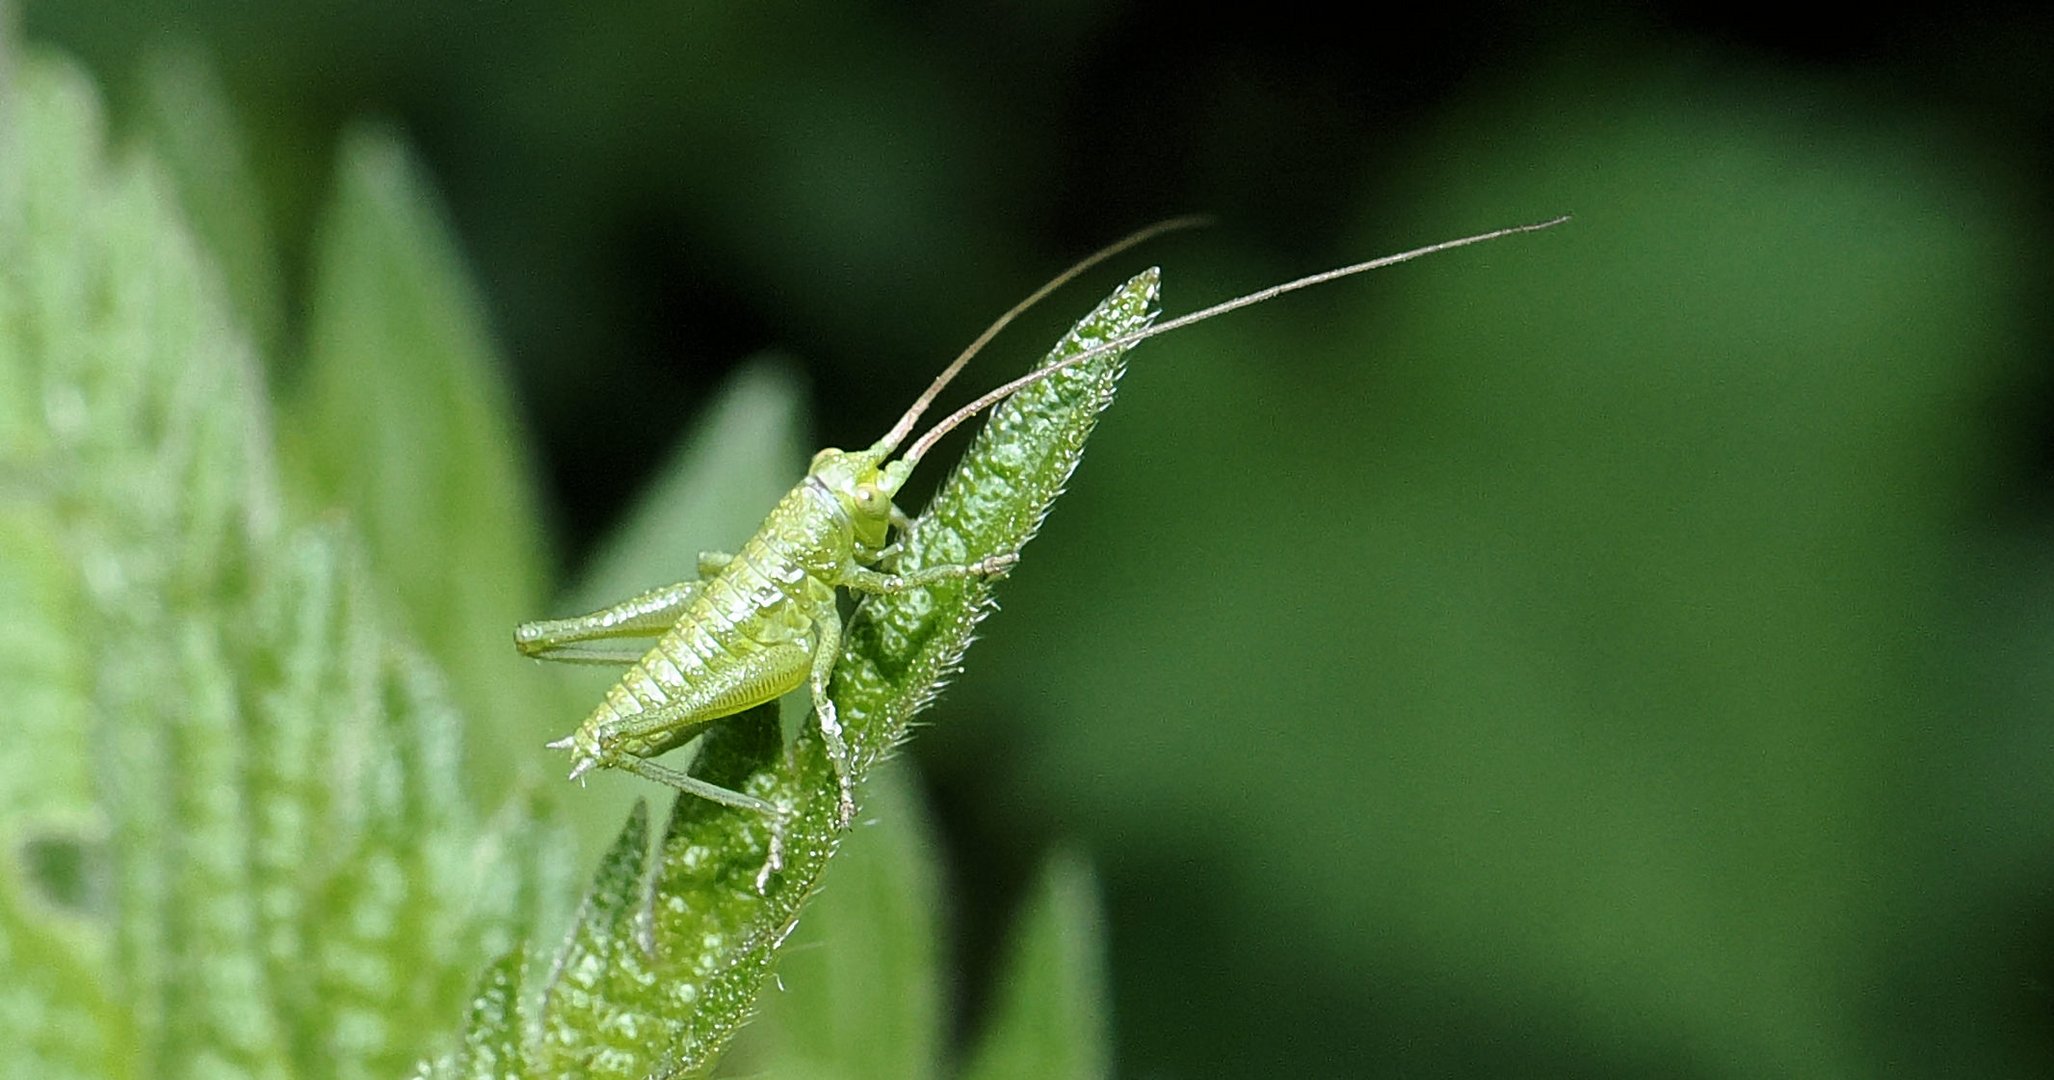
{"x": 1621, "y": 651}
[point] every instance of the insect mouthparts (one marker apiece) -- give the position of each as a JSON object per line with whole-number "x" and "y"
{"x": 583, "y": 766}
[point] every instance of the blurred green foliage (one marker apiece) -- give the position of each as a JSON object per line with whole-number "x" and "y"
{"x": 1622, "y": 652}
{"x": 234, "y": 838}
{"x": 244, "y": 845}
{"x": 401, "y": 415}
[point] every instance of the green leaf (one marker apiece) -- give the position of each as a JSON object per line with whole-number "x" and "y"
{"x": 240, "y": 846}
{"x": 1050, "y": 1020}
{"x": 858, "y": 992}
{"x": 712, "y": 931}
{"x": 193, "y": 132}
{"x": 45, "y": 673}
{"x": 57, "y": 1018}
{"x": 403, "y": 419}
{"x": 493, "y": 1032}
{"x": 142, "y": 466}
{"x": 587, "y": 1025}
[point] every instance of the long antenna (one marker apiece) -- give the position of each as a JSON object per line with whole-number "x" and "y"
{"x": 904, "y": 427}
{"x": 994, "y": 396}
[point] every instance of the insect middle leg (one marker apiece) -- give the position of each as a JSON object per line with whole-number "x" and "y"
{"x": 646, "y": 615}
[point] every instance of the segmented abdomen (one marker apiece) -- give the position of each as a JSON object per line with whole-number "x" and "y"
{"x": 761, "y": 601}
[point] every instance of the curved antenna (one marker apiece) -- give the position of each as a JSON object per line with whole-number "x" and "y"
{"x": 904, "y": 427}
{"x": 998, "y": 394}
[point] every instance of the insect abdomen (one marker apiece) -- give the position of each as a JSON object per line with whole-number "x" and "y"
{"x": 747, "y": 638}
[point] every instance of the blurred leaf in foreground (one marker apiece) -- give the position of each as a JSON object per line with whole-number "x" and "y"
{"x": 402, "y": 418}
{"x": 192, "y": 130}
{"x": 1049, "y": 1020}
{"x": 239, "y": 846}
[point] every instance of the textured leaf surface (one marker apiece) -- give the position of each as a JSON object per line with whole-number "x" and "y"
{"x": 493, "y": 1032}
{"x": 238, "y": 848}
{"x": 858, "y": 991}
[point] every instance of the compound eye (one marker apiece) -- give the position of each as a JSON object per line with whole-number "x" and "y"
{"x": 869, "y": 498}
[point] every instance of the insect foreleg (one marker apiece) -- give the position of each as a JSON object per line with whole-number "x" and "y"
{"x": 889, "y": 553}
{"x": 827, "y": 625}
{"x": 864, "y": 579}
{"x": 566, "y": 640}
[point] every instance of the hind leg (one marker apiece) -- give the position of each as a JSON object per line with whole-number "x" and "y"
{"x": 570, "y": 640}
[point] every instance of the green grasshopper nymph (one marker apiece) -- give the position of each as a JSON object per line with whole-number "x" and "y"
{"x": 764, "y": 621}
